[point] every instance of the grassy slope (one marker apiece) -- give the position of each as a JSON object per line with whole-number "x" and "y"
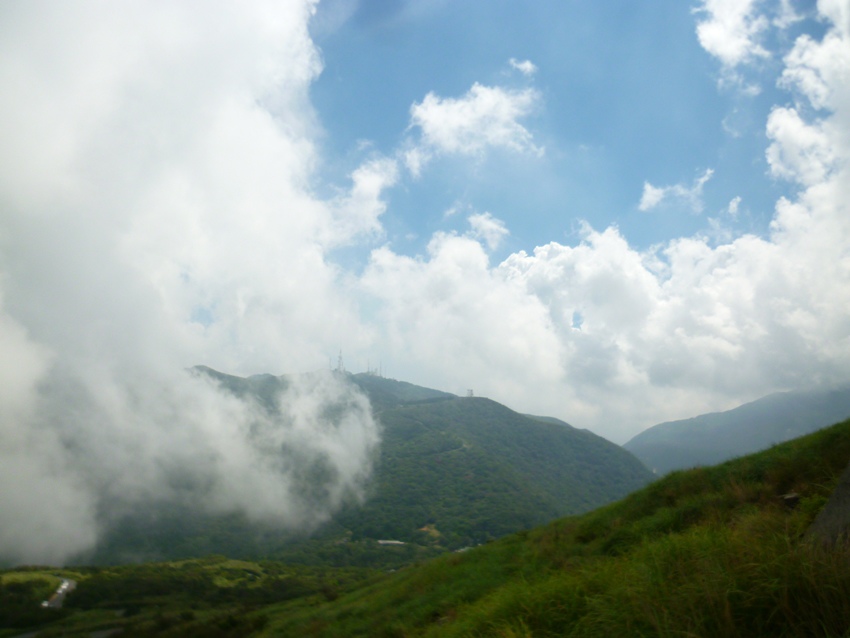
{"x": 706, "y": 552}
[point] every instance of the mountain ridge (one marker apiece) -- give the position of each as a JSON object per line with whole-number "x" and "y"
{"x": 717, "y": 436}
{"x": 450, "y": 472}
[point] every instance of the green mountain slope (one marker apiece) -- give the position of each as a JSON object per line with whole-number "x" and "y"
{"x": 387, "y": 393}
{"x": 452, "y": 472}
{"x": 472, "y": 469}
{"x": 706, "y": 552}
{"x": 712, "y": 438}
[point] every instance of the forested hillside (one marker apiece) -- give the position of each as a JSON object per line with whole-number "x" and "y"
{"x": 451, "y": 472}
{"x": 470, "y": 469}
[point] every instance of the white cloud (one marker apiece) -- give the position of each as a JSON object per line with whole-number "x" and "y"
{"x": 486, "y": 117}
{"x": 491, "y": 230}
{"x": 156, "y": 166}
{"x": 454, "y": 209}
{"x": 800, "y": 151}
{"x": 838, "y": 14}
{"x": 690, "y": 196}
{"x": 616, "y": 339}
{"x": 357, "y": 212}
{"x": 415, "y": 159}
{"x": 651, "y": 197}
{"x": 452, "y": 320}
{"x": 819, "y": 70}
{"x": 787, "y": 15}
{"x": 526, "y": 67}
{"x": 731, "y": 30}
{"x": 734, "y": 205}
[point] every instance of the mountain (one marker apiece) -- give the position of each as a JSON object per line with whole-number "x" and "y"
{"x": 463, "y": 470}
{"x": 471, "y": 469}
{"x": 713, "y": 551}
{"x": 452, "y": 472}
{"x": 712, "y": 438}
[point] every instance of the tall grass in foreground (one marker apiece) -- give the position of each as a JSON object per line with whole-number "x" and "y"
{"x": 707, "y": 552}
{"x": 716, "y": 582}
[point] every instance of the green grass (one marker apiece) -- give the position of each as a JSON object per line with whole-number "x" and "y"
{"x": 707, "y": 552}
{"x": 208, "y": 597}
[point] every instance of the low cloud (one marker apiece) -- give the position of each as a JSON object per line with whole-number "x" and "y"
{"x": 787, "y": 15}
{"x": 157, "y": 212}
{"x": 357, "y": 213}
{"x": 94, "y": 446}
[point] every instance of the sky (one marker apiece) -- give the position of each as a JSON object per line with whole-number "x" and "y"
{"x": 613, "y": 213}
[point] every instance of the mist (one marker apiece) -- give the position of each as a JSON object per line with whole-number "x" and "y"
{"x": 88, "y": 449}
{"x": 155, "y": 214}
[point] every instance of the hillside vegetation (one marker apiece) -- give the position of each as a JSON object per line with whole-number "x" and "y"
{"x": 451, "y": 472}
{"x": 472, "y": 470}
{"x": 705, "y": 552}
{"x": 208, "y": 598}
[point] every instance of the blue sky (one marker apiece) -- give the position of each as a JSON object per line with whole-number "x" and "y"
{"x": 614, "y": 213}
{"x": 626, "y": 95}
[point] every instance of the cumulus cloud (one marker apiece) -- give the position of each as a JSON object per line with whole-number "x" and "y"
{"x": 484, "y": 118}
{"x": 689, "y": 196}
{"x": 651, "y": 197}
{"x": 819, "y": 70}
{"x": 451, "y": 316}
{"x": 800, "y": 150}
{"x": 358, "y": 211}
{"x": 731, "y": 30}
{"x": 628, "y": 338}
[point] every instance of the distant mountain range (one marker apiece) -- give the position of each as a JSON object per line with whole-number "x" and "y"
{"x": 716, "y": 437}
{"x": 452, "y": 472}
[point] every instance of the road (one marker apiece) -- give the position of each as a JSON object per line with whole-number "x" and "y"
{"x": 58, "y": 597}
